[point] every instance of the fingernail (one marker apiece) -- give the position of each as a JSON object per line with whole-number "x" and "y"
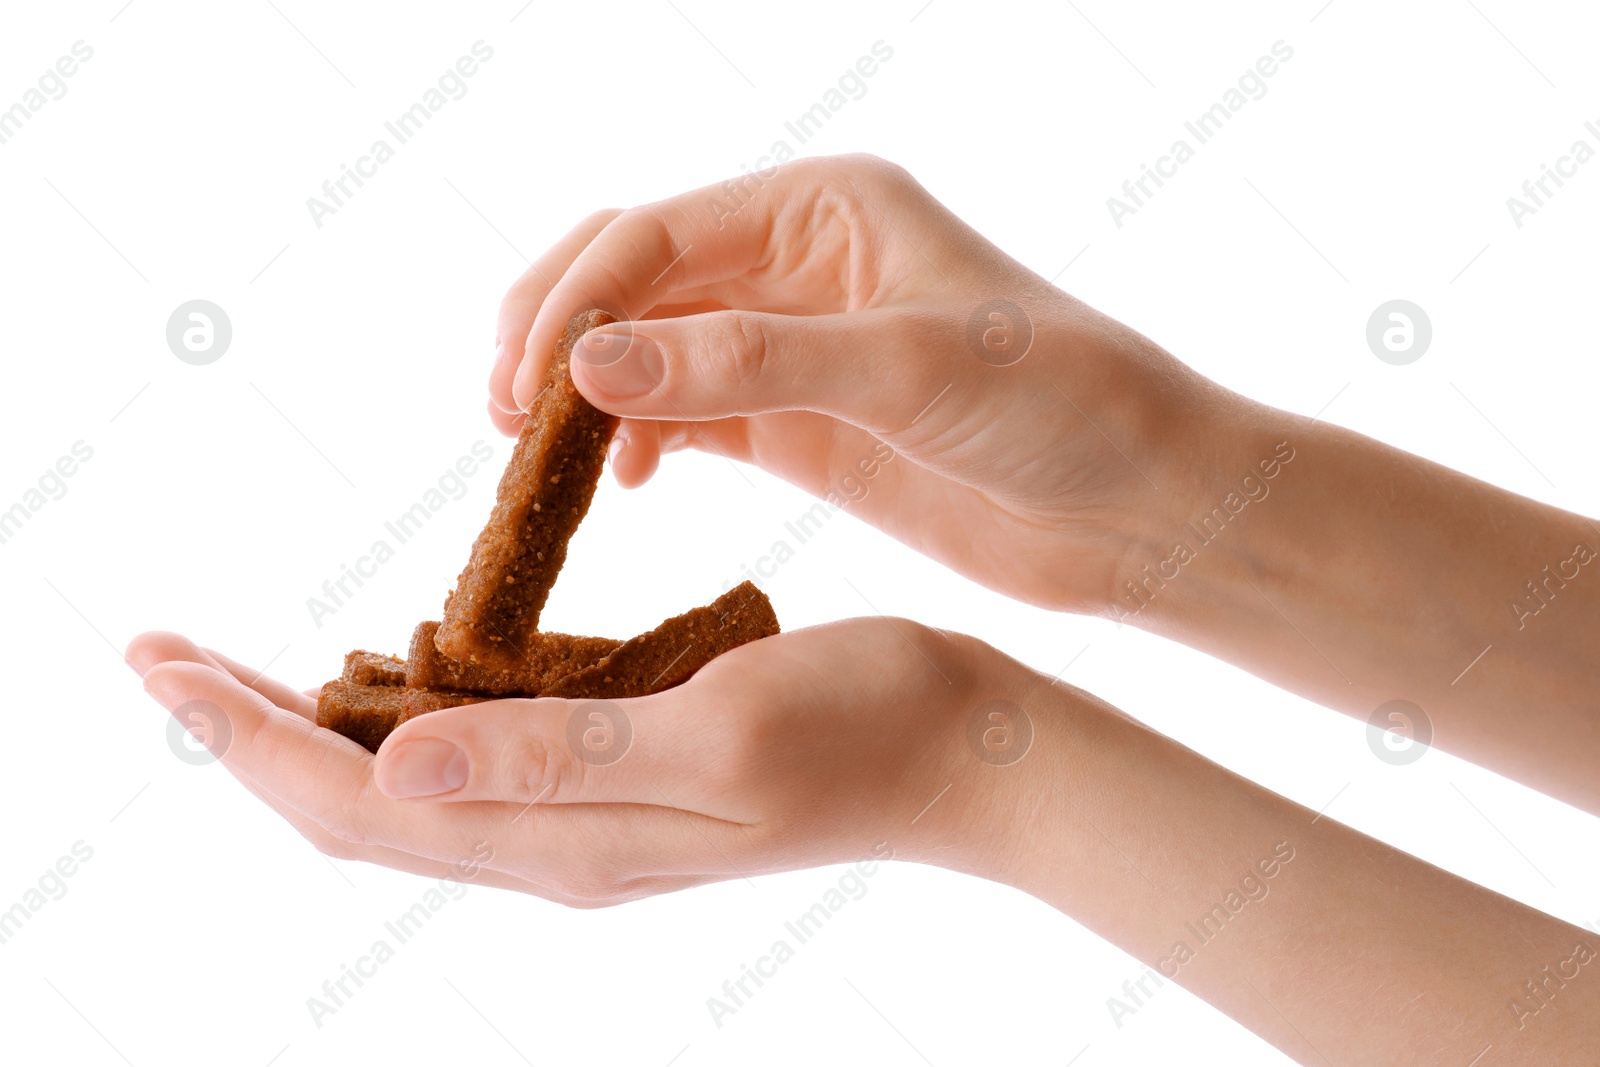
{"x": 618, "y": 443}
{"x": 623, "y": 375}
{"x": 499, "y": 353}
{"x": 423, "y": 768}
{"x": 523, "y": 389}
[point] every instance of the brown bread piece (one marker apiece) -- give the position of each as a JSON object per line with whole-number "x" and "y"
{"x": 421, "y": 701}
{"x": 549, "y": 482}
{"x": 363, "y": 713}
{"x": 367, "y": 714}
{"x": 672, "y": 652}
{"x": 549, "y": 657}
{"x": 373, "y": 668}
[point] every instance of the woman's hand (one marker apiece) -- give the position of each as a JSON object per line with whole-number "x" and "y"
{"x": 836, "y": 325}
{"x": 1084, "y": 469}
{"x": 870, "y": 739}
{"x": 818, "y": 746}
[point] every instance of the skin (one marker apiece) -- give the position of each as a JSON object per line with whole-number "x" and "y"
{"x": 801, "y": 320}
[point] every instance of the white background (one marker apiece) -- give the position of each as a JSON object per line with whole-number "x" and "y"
{"x": 219, "y": 498}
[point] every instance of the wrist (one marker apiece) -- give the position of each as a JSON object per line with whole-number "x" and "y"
{"x": 1159, "y": 447}
{"x": 1002, "y": 756}
{"x": 1223, "y": 457}
{"x": 1041, "y": 812}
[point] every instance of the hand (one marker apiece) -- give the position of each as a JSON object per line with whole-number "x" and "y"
{"x": 859, "y": 741}
{"x": 828, "y": 323}
{"x": 815, "y": 322}
{"x": 812, "y": 747}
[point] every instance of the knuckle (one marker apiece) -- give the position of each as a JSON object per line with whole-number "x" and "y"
{"x": 819, "y": 168}
{"x": 597, "y": 220}
{"x": 648, "y": 229}
{"x": 917, "y": 646}
{"x": 875, "y": 171}
{"x": 746, "y": 342}
{"x": 592, "y": 278}
{"x": 534, "y": 285}
{"x": 884, "y": 169}
{"x": 262, "y": 737}
{"x": 527, "y": 770}
{"x": 523, "y": 296}
{"x": 921, "y": 638}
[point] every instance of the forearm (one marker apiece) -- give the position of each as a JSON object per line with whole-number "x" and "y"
{"x": 1356, "y": 574}
{"x": 1329, "y": 944}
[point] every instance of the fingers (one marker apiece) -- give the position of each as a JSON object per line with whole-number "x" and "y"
{"x": 635, "y": 452}
{"x": 507, "y": 422}
{"x": 282, "y": 695}
{"x": 328, "y": 780}
{"x": 317, "y": 772}
{"x": 306, "y": 775}
{"x": 158, "y": 646}
{"x": 847, "y": 469}
{"x": 875, "y": 369}
{"x": 526, "y": 296}
{"x": 149, "y": 649}
{"x": 549, "y": 751}
{"x": 810, "y": 233}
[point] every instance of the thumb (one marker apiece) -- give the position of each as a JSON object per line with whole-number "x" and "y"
{"x": 550, "y": 751}
{"x": 875, "y": 369}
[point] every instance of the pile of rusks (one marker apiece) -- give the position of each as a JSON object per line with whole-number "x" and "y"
{"x": 489, "y": 644}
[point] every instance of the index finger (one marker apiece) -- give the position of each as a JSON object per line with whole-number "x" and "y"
{"x": 689, "y": 246}
{"x": 523, "y": 300}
